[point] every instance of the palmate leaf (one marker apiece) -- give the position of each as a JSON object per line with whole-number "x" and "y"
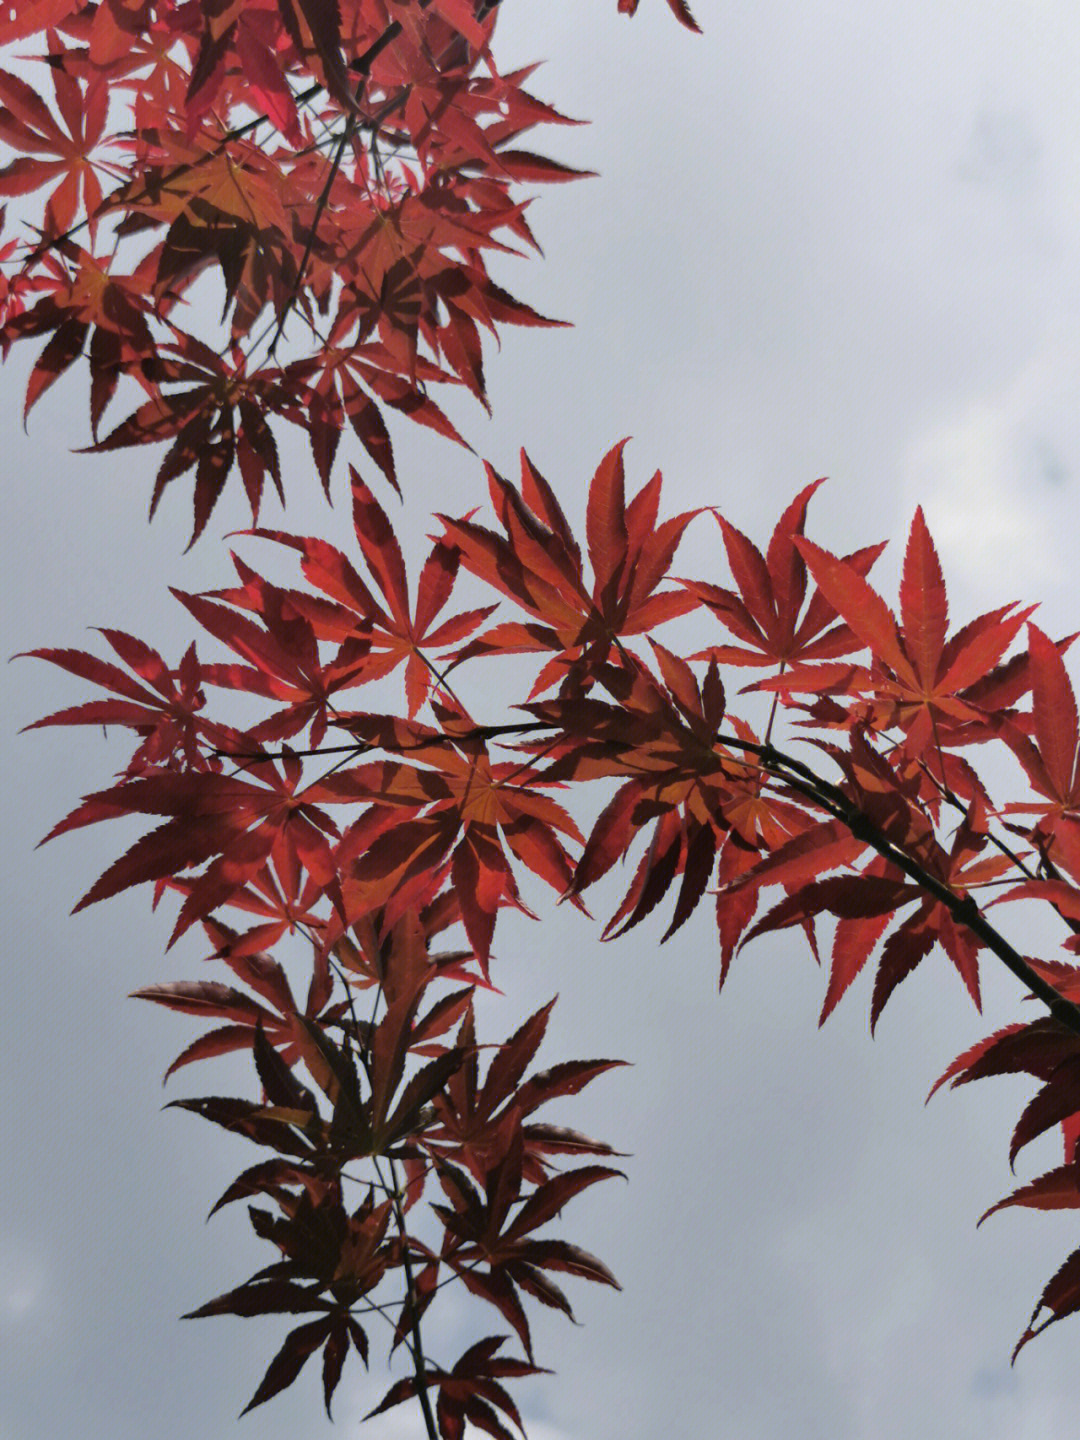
{"x": 219, "y": 419}
{"x": 87, "y": 308}
{"x": 690, "y": 787}
{"x": 284, "y": 662}
{"x": 393, "y": 631}
{"x": 18, "y": 23}
{"x": 769, "y": 614}
{"x": 470, "y": 1391}
{"x": 277, "y": 1036}
{"x": 866, "y": 903}
{"x": 465, "y": 811}
{"x": 53, "y": 154}
{"x": 938, "y": 690}
{"x": 332, "y": 1333}
{"x": 480, "y": 1232}
{"x": 162, "y": 706}
{"x": 1057, "y": 1102}
{"x": 252, "y": 33}
{"x": 538, "y": 564}
{"x": 471, "y": 1119}
{"x": 232, "y": 823}
{"x": 1037, "y": 1048}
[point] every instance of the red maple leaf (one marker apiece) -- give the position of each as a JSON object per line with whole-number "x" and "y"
{"x": 235, "y": 824}
{"x": 246, "y": 1017}
{"x": 219, "y": 419}
{"x": 465, "y": 810}
{"x": 162, "y": 706}
{"x": 939, "y": 690}
{"x": 60, "y": 156}
{"x": 538, "y": 564}
{"x": 767, "y": 614}
{"x": 867, "y": 902}
{"x": 395, "y": 631}
{"x": 1051, "y": 758}
{"x": 469, "y": 1393}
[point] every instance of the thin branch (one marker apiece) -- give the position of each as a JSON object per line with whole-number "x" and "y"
{"x": 362, "y": 67}
{"x": 320, "y": 207}
{"x": 177, "y": 173}
{"x": 361, "y": 747}
{"x": 964, "y": 908}
{"x": 416, "y": 1346}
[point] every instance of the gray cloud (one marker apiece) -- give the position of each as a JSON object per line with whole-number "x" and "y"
{"x": 782, "y": 272}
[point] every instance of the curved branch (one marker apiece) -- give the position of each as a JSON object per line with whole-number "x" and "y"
{"x": 962, "y": 908}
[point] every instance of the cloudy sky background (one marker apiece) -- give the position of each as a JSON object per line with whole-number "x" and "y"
{"x": 823, "y": 242}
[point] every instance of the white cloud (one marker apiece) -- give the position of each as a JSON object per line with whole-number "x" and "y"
{"x": 22, "y": 1285}
{"x": 995, "y": 478}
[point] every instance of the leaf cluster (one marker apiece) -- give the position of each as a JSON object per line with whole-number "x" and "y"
{"x": 408, "y": 826}
{"x": 345, "y": 172}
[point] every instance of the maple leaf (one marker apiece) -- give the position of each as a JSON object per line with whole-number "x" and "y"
{"x": 403, "y": 285}
{"x": 348, "y": 385}
{"x": 27, "y": 124}
{"x": 231, "y": 822}
{"x": 342, "y": 392}
{"x": 248, "y": 1019}
{"x": 464, "y": 810}
{"x": 470, "y": 1118}
{"x": 695, "y": 787}
{"x": 479, "y": 1232}
{"x": 393, "y": 632}
{"x": 162, "y": 706}
{"x": 284, "y": 899}
{"x": 1036, "y": 1048}
{"x": 217, "y": 420}
{"x": 877, "y": 805}
{"x": 1051, "y": 760}
{"x": 252, "y": 34}
{"x": 1047, "y": 1049}
{"x": 315, "y": 29}
{"x": 866, "y": 903}
{"x": 222, "y": 205}
{"x": 539, "y": 566}
{"x": 283, "y": 660}
{"x": 347, "y": 1254}
{"x": 88, "y": 310}
{"x": 366, "y": 945}
{"x": 933, "y": 687}
{"x": 470, "y": 1392}
{"x": 767, "y": 614}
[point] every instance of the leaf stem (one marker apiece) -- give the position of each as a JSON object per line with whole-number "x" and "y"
{"x": 393, "y": 1190}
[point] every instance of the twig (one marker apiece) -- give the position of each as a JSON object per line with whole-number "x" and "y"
{"x": 964, "y": 908}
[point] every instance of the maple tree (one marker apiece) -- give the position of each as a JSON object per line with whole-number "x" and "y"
{"x": 344, "y": 171}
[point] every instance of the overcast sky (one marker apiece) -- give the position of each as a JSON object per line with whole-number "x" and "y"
{"x": 825, "y": 240}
